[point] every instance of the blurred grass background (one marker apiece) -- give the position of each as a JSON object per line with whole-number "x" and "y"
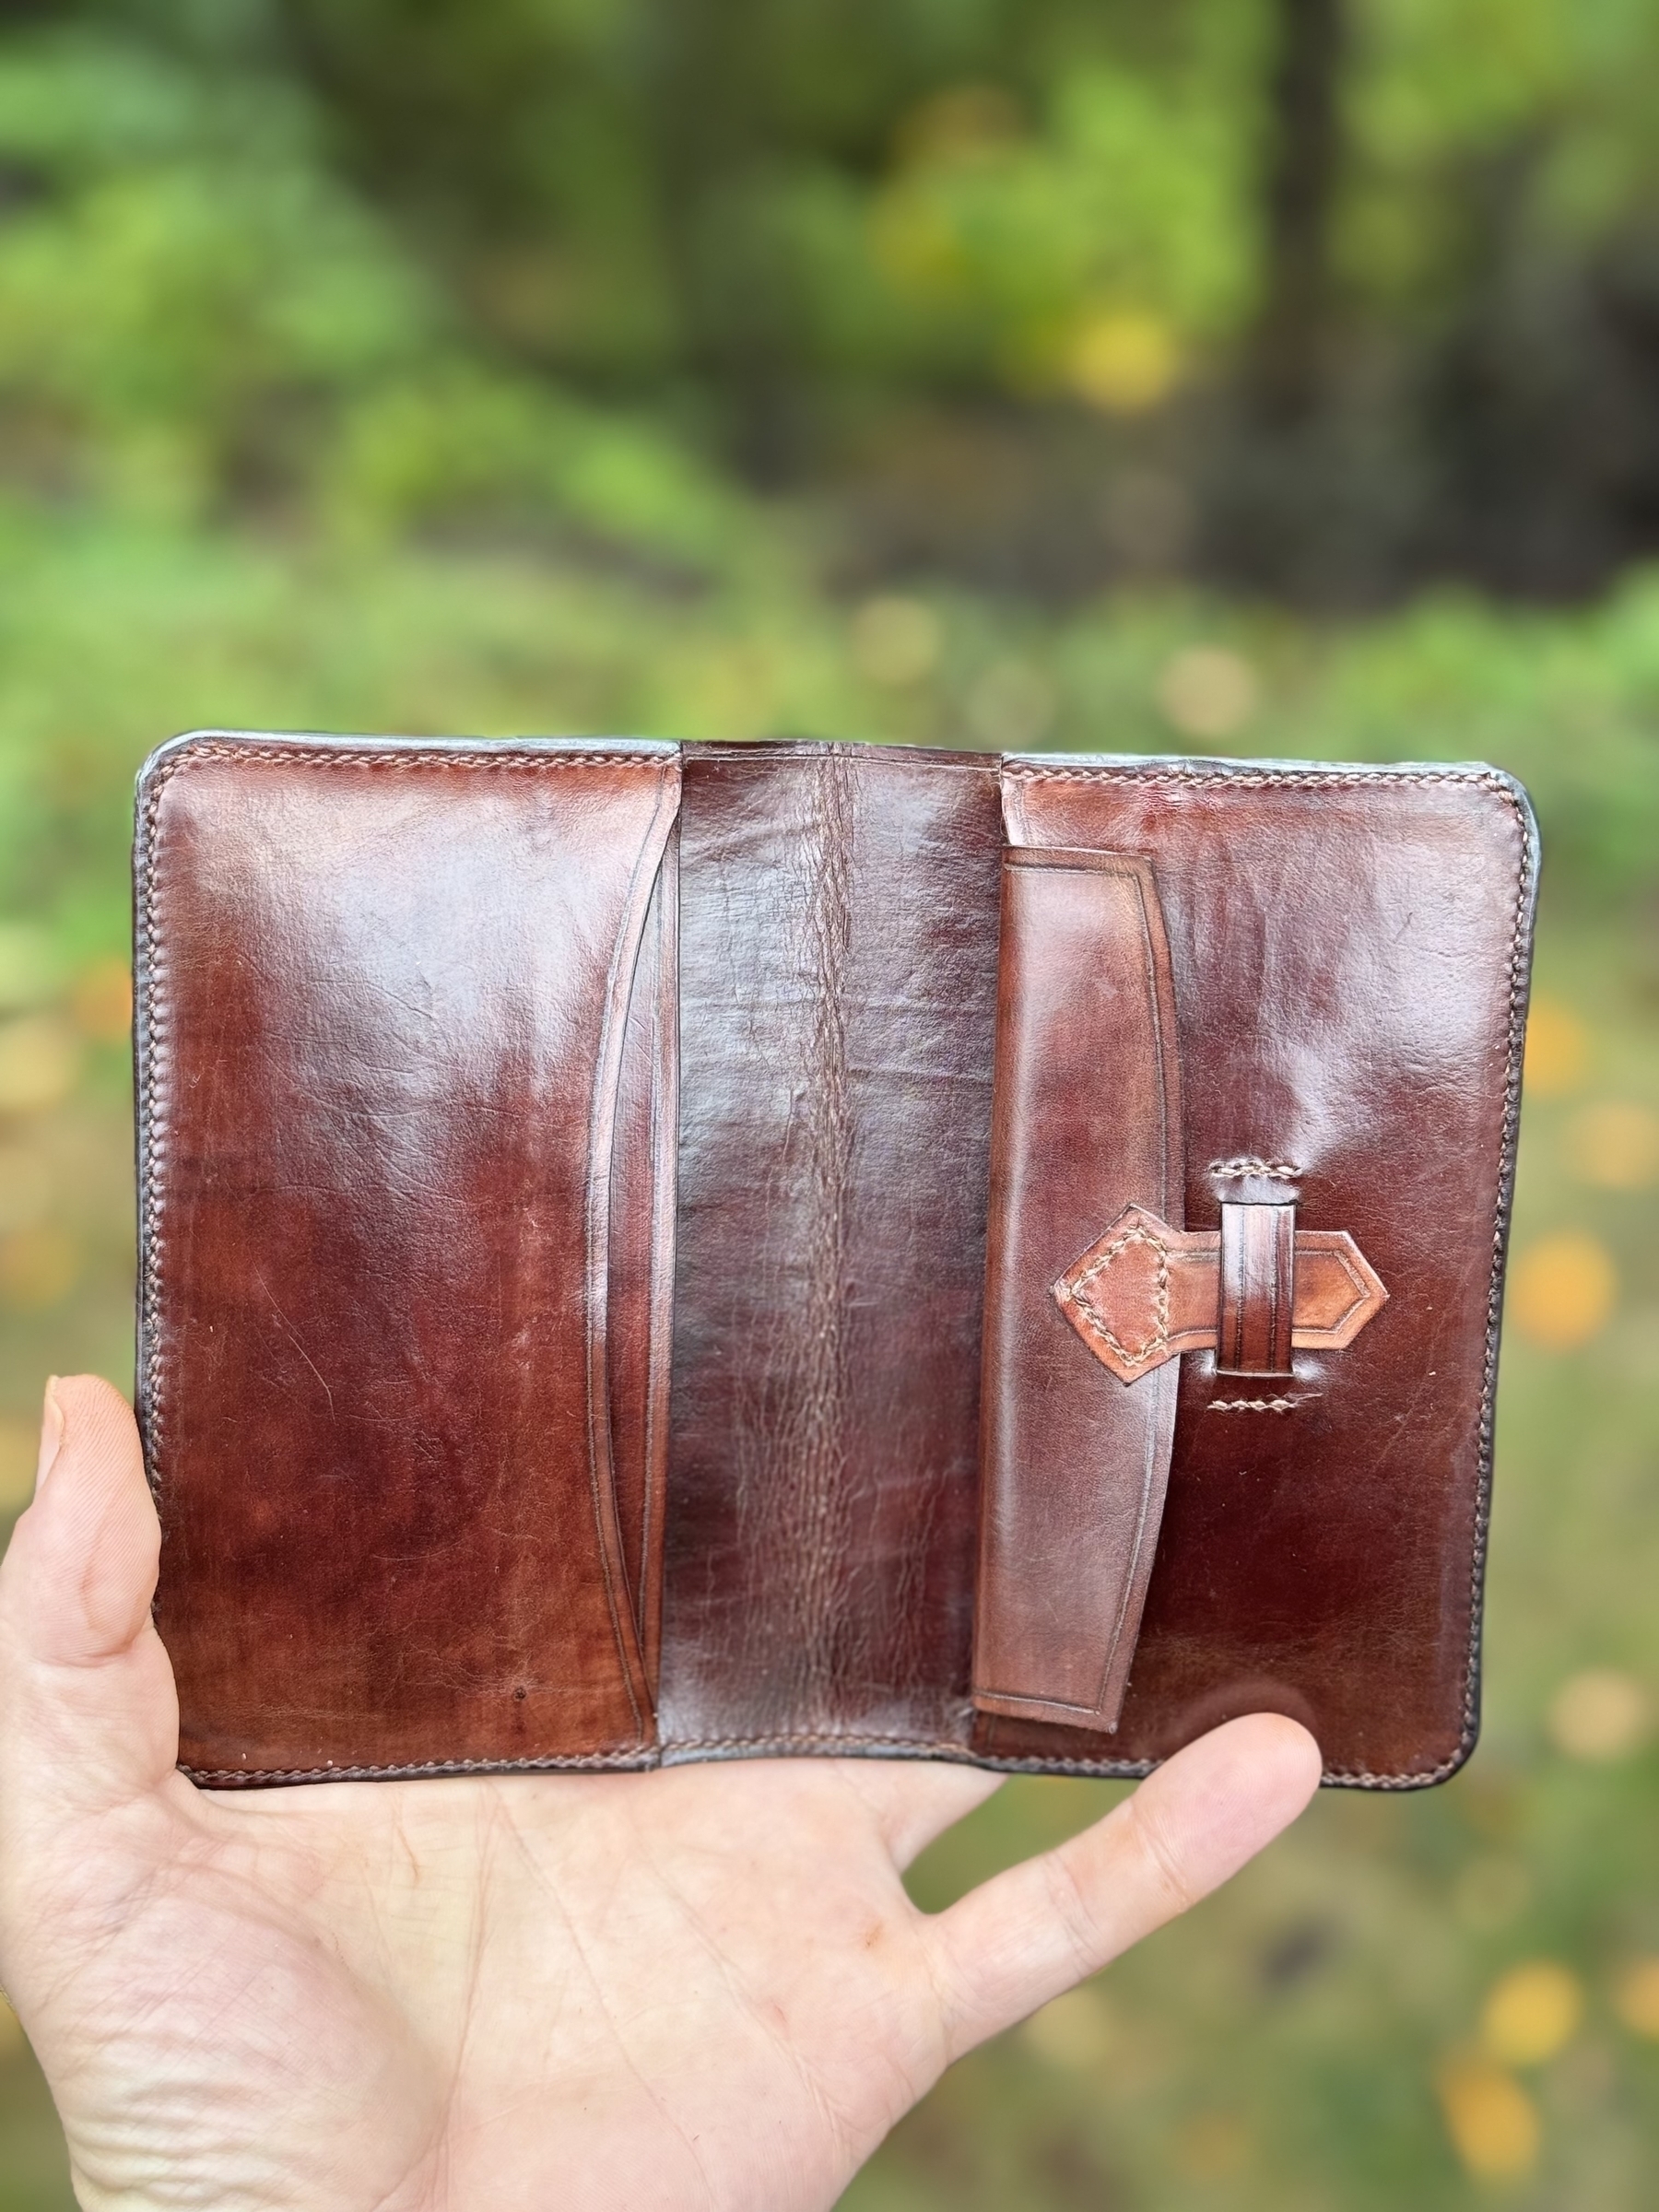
{"x": 1263, "y": 376}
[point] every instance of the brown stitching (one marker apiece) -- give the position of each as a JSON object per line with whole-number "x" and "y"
{"x": 575, "y": 1761}
{"x": 1293, "y": 779}
{"x": 318, "y": 755}
{"x": 1160, "y": 1311}
{"x": 1277, "y": 1170}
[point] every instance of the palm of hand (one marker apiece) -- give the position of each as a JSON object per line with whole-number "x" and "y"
{"x": 704, "y": 1987}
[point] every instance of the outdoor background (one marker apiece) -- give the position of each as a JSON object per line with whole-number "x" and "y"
{"x": 1242, "y": 375}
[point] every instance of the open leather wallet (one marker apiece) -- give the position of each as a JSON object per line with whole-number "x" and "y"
{"x": 654, "y": 1252}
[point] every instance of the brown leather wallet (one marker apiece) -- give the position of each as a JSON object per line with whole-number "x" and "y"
{"x": 655, "y": 1253}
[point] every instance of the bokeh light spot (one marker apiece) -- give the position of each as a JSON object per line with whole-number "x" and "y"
{"x": 38, "y": 1268}
{"x": 1558, "y": 1049}
{"x": 1564, "y": 1290}
{"x": 1124, "y": 361}
{"x": 1531, "y": 2013}
{"x": 1614, "y": 1145}
{"x": 1599, "y": 1714}
{"x": 1636, "y": 1998}
{"x": 102, "y": 1001}
{"x": 40, "y": 1060}
{"x": 1492, "y": 2121}
{"x": 1207, "y": 692}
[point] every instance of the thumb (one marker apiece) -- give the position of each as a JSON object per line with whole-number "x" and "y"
{"x": 1025, "y": 1936}
{"x": 86, "y": 1690}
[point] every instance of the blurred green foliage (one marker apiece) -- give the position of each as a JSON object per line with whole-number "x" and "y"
{"x": 936, "y": 372}
{"x": 1147, "y": 294}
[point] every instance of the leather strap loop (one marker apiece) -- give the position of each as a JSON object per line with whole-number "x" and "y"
{"x": 1257, "y": 1273}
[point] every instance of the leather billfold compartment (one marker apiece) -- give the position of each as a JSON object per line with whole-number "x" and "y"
{"x": 653, "y": 1252}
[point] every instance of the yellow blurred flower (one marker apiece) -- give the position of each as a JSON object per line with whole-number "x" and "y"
{"x": 1614, "y": 1145}
{"x": 1492, "y": 2121}
{"x": 1558, "y": 1049}
{"x": 1599, "y": 1714}
{"x": 1077, "y": 2030}
{"x": 102, "y": 1001}
{"x": 38, "y": 1268}
{"x": 38, "y": 1062}
{"x": 1636, "y": 1998}
{"x": 20, "y": 1448}
{"x": 1207, "y": 692}
{"x": 896, "y": 641}
{"x": 1124, "y": 361}
{"x": 1531, "y": 2013}
{"x": 1564, "y": 1290}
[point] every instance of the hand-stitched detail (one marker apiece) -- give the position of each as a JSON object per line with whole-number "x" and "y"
{"x": 1075, "y": 1284}
{"x": 1508, "y": 793}
{"x": 1258, "y": 1404}
{"x": 1277, "y": 1171}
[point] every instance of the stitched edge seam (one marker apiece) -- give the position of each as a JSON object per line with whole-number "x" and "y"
{"x": 1277, "y": 1170}
{"x": 151, "y": 1044}
{"x": 1124, "y": 1769}
{"x": 1320, "y": 779}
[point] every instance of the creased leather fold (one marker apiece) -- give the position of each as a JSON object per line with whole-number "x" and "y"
{"x": 1086, "y": 1122}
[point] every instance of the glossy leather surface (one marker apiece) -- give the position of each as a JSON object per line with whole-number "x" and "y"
{"x": 837, "y": 1006}
{"x": 382, "y": 998}
{"x": 1075, "y": 1456}
{"x": 1349, "y": 950}
{"x": 470, "y": 1350}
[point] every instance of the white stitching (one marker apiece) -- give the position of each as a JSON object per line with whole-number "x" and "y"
{"x": 1160, "y": 1337}
{"x": 1124, "y": 1769}
{"x": 1277, "y": 1170}
{"x": 1259, "y": 1404}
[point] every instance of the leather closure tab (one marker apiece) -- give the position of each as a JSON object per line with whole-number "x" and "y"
{"x": 1144, "y": 1292}
{"x": 1257, "y": 1273}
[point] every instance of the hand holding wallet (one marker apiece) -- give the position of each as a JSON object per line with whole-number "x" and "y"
{"x": 655, "y": 1253}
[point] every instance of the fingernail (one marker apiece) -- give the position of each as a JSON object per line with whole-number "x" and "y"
{"x": 51, "y": 1433}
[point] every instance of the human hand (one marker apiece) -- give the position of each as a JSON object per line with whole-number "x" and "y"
{"x": 704, "y": 1987}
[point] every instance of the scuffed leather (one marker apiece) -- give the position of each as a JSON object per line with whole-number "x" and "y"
{"x": 422, "y": 1221}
